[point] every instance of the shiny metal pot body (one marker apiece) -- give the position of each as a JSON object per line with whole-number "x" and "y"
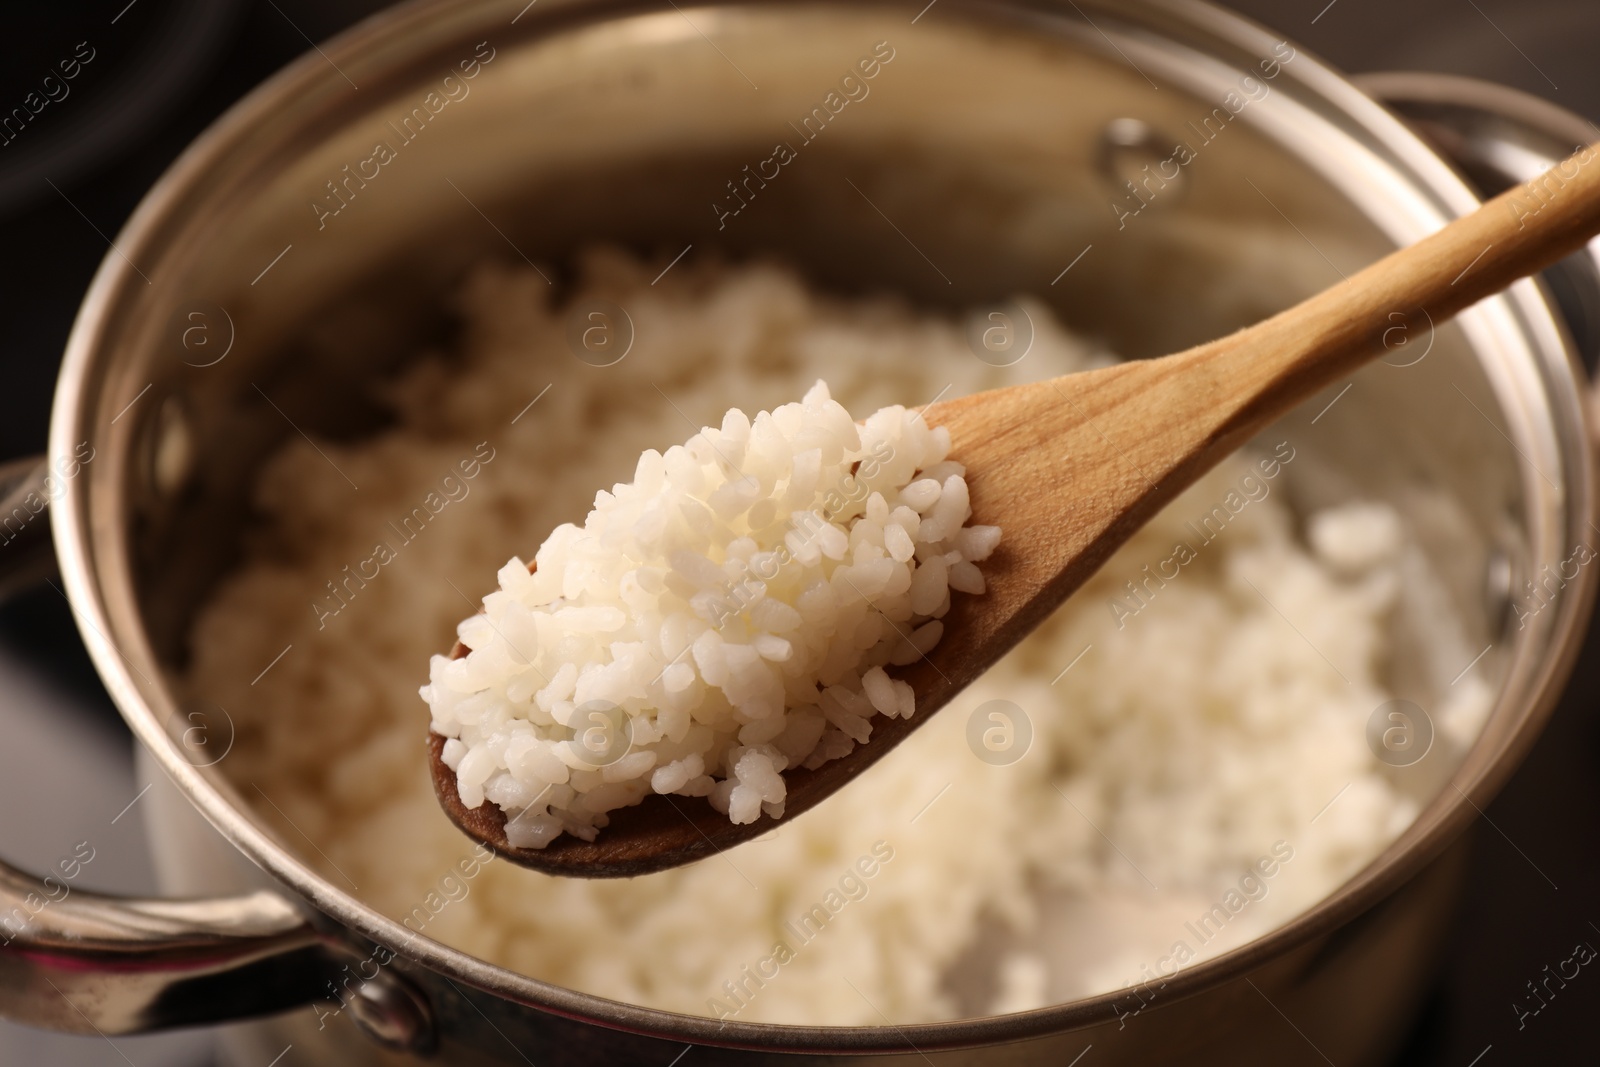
{"x": 1003, "y": 139}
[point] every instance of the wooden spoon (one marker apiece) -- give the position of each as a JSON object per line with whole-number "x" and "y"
{"x": 1070, "y": 468}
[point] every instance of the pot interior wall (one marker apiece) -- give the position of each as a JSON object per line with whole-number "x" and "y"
{"x": 977, "y": 166}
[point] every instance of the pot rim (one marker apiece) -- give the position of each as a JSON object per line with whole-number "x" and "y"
{"x": 91, "y": 578}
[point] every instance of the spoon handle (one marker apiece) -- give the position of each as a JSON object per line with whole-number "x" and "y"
{"x": 1070, "y": 467}
{"x": 1288, "y": 357}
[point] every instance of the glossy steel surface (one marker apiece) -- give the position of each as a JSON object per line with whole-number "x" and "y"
{"x": 990, "y": 147}
{"x": 86, "y": 963}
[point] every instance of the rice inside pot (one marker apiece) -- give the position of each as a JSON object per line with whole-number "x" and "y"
{"x": 1173, "y": 748}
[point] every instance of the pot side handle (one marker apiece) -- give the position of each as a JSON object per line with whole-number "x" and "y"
{"x": 26, "y": 556}
{"x": 90, "y": 963}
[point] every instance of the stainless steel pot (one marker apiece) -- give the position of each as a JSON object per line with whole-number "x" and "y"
{"x": 1001, "y": 140}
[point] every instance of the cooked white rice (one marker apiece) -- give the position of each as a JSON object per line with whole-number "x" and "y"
{"x": 723, "y": 617}
{"x": 1206, "y": 734}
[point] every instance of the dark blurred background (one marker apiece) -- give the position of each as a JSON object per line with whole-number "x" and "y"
{"x": 158, "y": 71}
